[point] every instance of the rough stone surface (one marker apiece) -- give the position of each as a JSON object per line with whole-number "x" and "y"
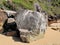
{"x": 33, "y": 21}
{"x": 3, "y": 17}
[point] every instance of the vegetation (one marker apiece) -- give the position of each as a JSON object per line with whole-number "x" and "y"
{"x": 50, "y": 6}
{"x": 24, "y": 3}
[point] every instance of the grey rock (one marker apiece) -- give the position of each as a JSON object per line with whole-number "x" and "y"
{"x": 33, "y": 21}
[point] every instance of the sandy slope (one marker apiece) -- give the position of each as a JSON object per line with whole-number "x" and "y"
{"x": 51, "y": 38}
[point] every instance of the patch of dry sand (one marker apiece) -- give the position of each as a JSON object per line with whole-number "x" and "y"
{"x": 51, "y": 38}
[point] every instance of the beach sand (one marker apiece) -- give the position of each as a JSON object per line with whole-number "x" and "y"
{"x": 51, "y": 37}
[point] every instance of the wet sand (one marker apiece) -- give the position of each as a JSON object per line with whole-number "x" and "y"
{"x": 51, "y": 37}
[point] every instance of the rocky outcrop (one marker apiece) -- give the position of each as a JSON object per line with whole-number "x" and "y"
{"x": 3, "y": 17}
{"x": 31, "y": 23}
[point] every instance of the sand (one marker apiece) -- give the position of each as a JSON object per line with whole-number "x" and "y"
{"x": 51, "y": 37}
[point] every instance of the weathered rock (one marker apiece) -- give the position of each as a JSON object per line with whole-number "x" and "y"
{"x": 3, "y": 16}
{"x": 34, "y": 22}
{"x": 29, "y": 36}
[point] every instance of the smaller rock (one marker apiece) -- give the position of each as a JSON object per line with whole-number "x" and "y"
{"x": 55, "y": 29}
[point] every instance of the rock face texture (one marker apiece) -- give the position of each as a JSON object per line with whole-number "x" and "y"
{"x": 3, "y": 17}
{"x": 31, "y": 23}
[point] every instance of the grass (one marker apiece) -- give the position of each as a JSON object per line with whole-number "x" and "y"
{"x": 46, "y": 6}
{"x": 50, "y": 8}
{"x": 24, "y": 3}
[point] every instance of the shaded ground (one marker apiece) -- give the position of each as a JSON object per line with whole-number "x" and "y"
{"x": 51, "y": 37}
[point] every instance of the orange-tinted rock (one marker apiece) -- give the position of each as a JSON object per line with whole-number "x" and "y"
{"x": 3, "y": 17}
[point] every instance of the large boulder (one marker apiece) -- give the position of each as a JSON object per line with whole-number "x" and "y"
{"x": 33, "y": 23}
